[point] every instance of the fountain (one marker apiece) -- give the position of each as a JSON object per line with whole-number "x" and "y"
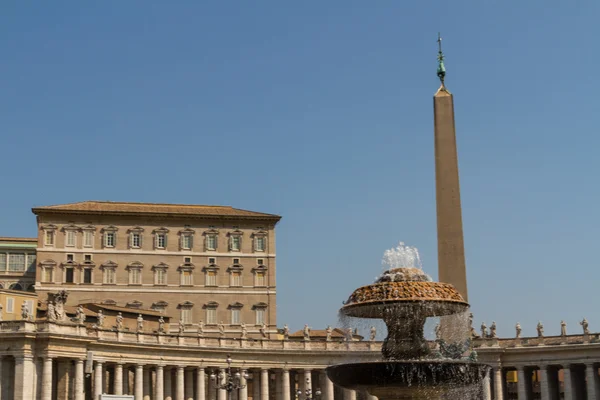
{"x": 412, "y": 367}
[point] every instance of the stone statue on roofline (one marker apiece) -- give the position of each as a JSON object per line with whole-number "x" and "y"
{"x": 140, "y": 323}
{"x": 51, "y": 313}
{"x": 493, "y": 330}
{"x": 1, "y": 313}
{"x": 540, "y": 329}
{"x": 563, "y": 328}
{"x": 100, "y": 319}
{"x": 286, "y": 332}
{"x": 24, "y": 312}
{"x": 373, "y": 334}
{"x": 60, "y": 299}
{"x": 201, "y": 328}
{"x": 484, "y": 333}
{"x": 221, "y": 329}
{"x": 306, "y": 332}
{"x": 161, "y": 325}
{"x": 263, "y": 330}
{"x": 244, "y": 331}
{"x": 518, "y": 330}
{"x": 119, "y": 320}
{"x": 328, "y": 333}
{"x": 348, "y": 335}
{"x": 79, "y": 317}
{"x": 181, "y": 327}
{"x": 586, "y": 328}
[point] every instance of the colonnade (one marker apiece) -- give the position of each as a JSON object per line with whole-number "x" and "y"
{"x": 579, "y": 381}
{"x": 65, "y": 379}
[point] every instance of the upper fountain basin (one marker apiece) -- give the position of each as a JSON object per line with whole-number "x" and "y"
{"x": 404, "y": 288}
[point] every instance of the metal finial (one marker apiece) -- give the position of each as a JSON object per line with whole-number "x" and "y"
{"x": 441, "y": 70}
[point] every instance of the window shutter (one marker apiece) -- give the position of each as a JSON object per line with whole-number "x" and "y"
{"x": 191, "y": 241}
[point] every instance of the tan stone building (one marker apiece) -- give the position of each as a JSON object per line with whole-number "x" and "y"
{"x": 204, "y": 265}
{"x": 17, "y": 263}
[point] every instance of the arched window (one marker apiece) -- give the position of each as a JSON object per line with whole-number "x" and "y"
{"x": 16, "y": 286}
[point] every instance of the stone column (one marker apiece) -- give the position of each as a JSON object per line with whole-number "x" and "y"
{"x": 138, "y": 387}
{"x": 285, "y": 384}
{"x": 244, "y": 383}
{"x": 256, "y": 384}
{"x": 521, "y": 383}
{"x": 545, "y": 383}
{"x": 591, "y": 377}
{"x": 264, "y": 384}
{"x": 46, "y": 379}
{"x": 307, "y": 380}
{"x": 498, "y": 384}
{"x": 79, "y": 394}
{"x": 349, "y": 394}
{"x": 159, "y": 388}
{"x": 125, "y": 380}
{"x": 24, "y": 371}
{"x": 179, "y": 395}
{"x": 168, "y": 384}
{"x": 327, "y": 386}
{"x": 568, "y": 381}
{"x": 221, "y": 378}
{"x": 98, "y": 380}
{"x": 147, "y": 383}
{"x": 200, "y": 384}
{"x": 118, "y": 379}
{"x": 189, "y": 384}
{"x": 487, "y": 390}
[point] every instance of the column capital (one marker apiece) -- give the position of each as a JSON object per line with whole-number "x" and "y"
{"x": 590, "y": 363}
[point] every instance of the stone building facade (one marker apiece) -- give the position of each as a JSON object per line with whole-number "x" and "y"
{"x": 17, "y": 263}
{"x": 205, "y": 265}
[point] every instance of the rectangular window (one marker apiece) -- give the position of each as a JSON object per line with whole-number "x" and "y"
{"x": 87, "y": 275}
{"x": 136, "y": 240}
{"x": 109, "y": 239}
{"x": 212, "y": 261}
{"x": 260, "y": 261}
{"x": 109, "y": 276}
{"x": 16, "y": 262}
{"x": 211, "y": 242}
{"x": 160, "y": 277}
{"x": 10, "y": 305}
{"x": 259, "y": 243}
{"x": 236, "y": 242}
{"x": 88, "y": 239}
{"x": 260, "y": 279}
{"x": 211, "y": 316}
{"x": 235, "y": 316}
{"x": 69, "y": 275}
{"x": 31, "y": 262}
{"x": 187, "y": 260}
{"x": 236, "y": 278}
{"x": 135, "y": 276}
{"x": 87, "y": 258}
{"x": 236, "y": 261}
{"x": 70, "y": 257}
{"x": 161, "y": 240}
{"x": 47, "y": 275}
{"x": 49, "y": 238}
{"x": 186, "y": 315}
{"x": 186, "y": 242}
{"x": 260, "y": 316}
{"x": 211, "y": 278}
{"x": 186, "y": 278}
{"x": 70, "y": 238}
{"x": 2, "y": 262}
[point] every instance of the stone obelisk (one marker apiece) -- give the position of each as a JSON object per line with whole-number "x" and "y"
{"x": 451, "y": 250}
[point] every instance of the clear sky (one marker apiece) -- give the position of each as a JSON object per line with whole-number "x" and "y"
{"x": 322, "y": 112}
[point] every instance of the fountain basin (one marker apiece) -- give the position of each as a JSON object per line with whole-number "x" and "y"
{"x": 419, "y": 379}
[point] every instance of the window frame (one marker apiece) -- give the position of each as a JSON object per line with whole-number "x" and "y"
{"x": 160, "y": 235}
{"x": 135, "y": 269}
{"x": 211, "y": 313}
{"x": 109, "y": 232}
{"x": 211, "y": 271}
{"x": 49, "y": 233}
{"x": 260, "y": 309}
{"x": 160, "y": 269}
{"x": 260, "y": 237}
{"x": 211, "y": 235}
{"x": 235, "y": 241}
{"x": 89, "y": 232}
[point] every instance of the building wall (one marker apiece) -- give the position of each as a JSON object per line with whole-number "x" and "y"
{"x": 16, "y": 298}
{"x": 17, "y": 263}
{"x": 148, "y": 257}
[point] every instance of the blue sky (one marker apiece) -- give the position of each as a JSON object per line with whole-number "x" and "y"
{"x": 322, "y": 112}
